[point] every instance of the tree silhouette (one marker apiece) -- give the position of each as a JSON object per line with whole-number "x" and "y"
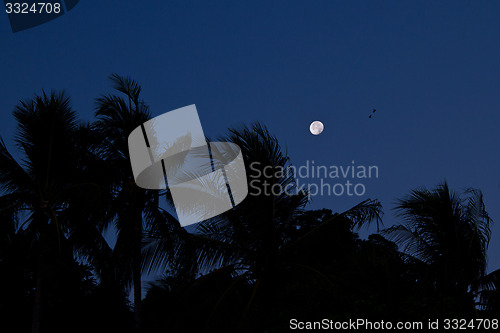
{"x": 42, "y": 189}
{"x": 250, "y": 269}
{"x": 132, "y": 209}
{"x": 449, "y": 233}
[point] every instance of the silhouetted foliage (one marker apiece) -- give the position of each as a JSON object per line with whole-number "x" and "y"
{"x": 251, "y": 269}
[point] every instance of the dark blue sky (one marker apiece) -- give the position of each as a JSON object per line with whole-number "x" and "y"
{"x": 430, "y": 68}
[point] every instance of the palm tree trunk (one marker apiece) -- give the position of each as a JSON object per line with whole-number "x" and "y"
{"x": 37, "y": 306}
{"x": 136, "y": 272}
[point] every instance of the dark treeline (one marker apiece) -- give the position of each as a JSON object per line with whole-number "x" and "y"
{"x": 252, "y": 269}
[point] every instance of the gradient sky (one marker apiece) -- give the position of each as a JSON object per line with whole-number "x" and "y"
{"x": 430, "y": 68}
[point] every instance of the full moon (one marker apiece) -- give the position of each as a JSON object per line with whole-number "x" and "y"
{"x": 316, "y": 127}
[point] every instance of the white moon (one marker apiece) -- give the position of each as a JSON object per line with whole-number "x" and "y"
{"x": 316, "y": 127}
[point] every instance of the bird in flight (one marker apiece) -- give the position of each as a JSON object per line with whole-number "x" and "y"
{"x": 372, "y": 113}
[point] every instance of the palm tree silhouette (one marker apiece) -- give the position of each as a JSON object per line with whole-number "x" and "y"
{"x": 449, "y": 233}
{"x": 44, "y": 189}
{"x": 239, "y": 271}
{"x": 133, "y": 209}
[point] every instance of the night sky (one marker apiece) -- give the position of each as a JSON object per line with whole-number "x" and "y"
{"x": 430, "y": 68}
